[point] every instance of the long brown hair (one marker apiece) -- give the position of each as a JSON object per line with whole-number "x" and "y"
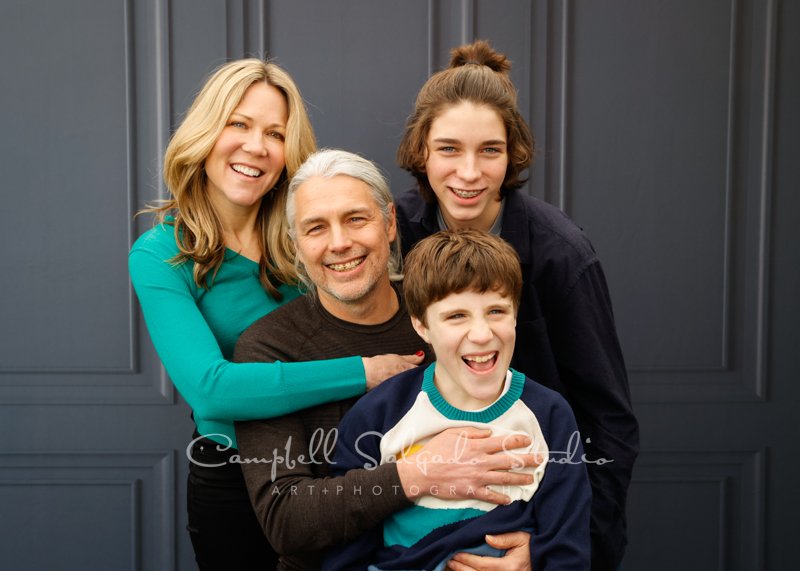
{"x": 477, "y": 74}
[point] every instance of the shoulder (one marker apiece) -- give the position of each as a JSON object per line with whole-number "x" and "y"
{"x": 159, "y": 238}
{"x": 277, "y": 336}
{"x": 549, "y": 228}
{"x": 543, "y": 400}
{"x": 392, "y": 397}
{"x": 409, "y": 203}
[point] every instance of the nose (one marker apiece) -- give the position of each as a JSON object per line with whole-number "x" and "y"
{"x": 339, "y": 239}
{"x": 254, "y": 143}
{"x": 480, "y": 331}
{"x": 468, "y": 168}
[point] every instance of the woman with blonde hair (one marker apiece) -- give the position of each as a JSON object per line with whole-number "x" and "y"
{"x": 218, "y": 259}
{"x": 467, "y": 145}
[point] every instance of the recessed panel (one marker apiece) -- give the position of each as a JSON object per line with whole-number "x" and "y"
{"x": 649, "y": 109}
{"x": 359, "y": 64}
{"x": 64, "y": 159}
{"x": 67, "y": 526}
{"x": 702, "y": 506}
{"x": 682, "y": 522}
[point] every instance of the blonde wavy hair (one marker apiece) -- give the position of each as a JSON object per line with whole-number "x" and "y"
{"x": 198, "y": 231}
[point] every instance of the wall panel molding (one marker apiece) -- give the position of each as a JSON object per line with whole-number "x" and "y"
{"x": 735, "y": 506}
{"x": 146, "y": 29}
{"x": 672, "y": 371}
{"x": 146, "y": 478}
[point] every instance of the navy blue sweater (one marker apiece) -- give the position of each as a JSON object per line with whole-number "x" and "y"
{"x": 557, "y": 515}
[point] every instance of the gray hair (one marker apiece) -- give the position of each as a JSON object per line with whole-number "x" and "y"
{"x": 328, "y": 163}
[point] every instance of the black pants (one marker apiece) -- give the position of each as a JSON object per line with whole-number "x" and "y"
{"x": 223, "y": 527}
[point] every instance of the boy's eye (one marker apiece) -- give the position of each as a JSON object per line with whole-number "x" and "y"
{"x": 455, "y": 316}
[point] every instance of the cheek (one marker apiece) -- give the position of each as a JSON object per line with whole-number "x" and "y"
{"x": 307, "y": 252}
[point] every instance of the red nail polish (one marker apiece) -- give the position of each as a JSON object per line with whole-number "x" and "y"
{"x": 420, "y": 353}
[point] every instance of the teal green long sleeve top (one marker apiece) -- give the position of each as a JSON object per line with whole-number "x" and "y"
{"x": 194, "y": 332}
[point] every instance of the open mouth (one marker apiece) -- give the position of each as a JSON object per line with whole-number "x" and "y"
{"x": 247, "y": 171}
{"x": 466, "y": 194}
{"x": 346, "y": 266}
{"x": 480, "y": 363}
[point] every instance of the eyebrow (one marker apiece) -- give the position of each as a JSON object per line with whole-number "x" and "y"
{"x": 315, "y": 219}
{"x": 248, "y": 118}
{"x": 457, "y": 141}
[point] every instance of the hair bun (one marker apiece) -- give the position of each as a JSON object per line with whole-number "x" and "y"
{"x": 479, "y": 52}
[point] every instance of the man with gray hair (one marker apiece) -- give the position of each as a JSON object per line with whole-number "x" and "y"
{"x": 342, "y": 221}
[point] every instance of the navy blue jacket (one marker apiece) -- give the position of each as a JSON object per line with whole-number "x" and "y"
{"x": 567, "y": 341}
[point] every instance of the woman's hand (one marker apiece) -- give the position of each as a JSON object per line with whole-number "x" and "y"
{"x": 459, "y": 463}
{"x": 381, "y": 367}
{"x": 517, "y": 558}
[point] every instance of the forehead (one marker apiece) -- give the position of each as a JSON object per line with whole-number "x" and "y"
{"x": 471, "y": 300}
{"x": 263, "y": 101}
{"x": 468, "y": 119}
{"x": 321, "y": 197}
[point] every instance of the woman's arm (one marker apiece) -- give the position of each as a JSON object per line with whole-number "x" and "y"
{"x": 214, "y": 387}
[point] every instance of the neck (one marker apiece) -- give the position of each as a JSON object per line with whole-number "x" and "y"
{"x": 239, "y": 230}
{"x": 484, "y": 222}
{"x": 377, "y": 306}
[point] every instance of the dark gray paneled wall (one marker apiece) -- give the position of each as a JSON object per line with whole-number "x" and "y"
{"x": 667, "y": 129}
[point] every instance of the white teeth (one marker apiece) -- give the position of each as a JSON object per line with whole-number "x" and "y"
{"x": 466, "y": 193}
{"x": 480, "y": 359}
{"x": 346, "y": 266}
{"x": 246, "y": 170}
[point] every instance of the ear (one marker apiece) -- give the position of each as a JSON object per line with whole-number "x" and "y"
{"x": 391, "y": 225}
{"x": 420, "y": 328}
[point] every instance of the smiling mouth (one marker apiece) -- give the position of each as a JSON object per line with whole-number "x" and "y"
{"x": 465, "y": 193}
{"x": 480, "y": 363}
{"x": 247, "y": 171}
{"x": 346, "y": 266}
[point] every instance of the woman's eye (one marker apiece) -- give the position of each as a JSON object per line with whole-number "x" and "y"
{"x": 447, "y": 149}
{"x": 237, "y": 124}
{"x": 276, "y": 135}
{"x": 491, "y": 150}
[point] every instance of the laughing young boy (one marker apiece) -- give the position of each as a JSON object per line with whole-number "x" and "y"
{"x": 462, "y": 289}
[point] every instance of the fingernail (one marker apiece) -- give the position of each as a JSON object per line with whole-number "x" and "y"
{"x": 420, "y": 353}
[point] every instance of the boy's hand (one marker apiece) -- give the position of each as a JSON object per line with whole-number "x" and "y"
{"x": 517, "y": 557}
{"x": 459, "y": 463}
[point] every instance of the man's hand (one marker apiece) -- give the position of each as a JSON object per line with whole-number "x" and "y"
{"x": 378, "y": 369}
{"x": 517, "y": 558}
{"x": 459, "y": 463}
